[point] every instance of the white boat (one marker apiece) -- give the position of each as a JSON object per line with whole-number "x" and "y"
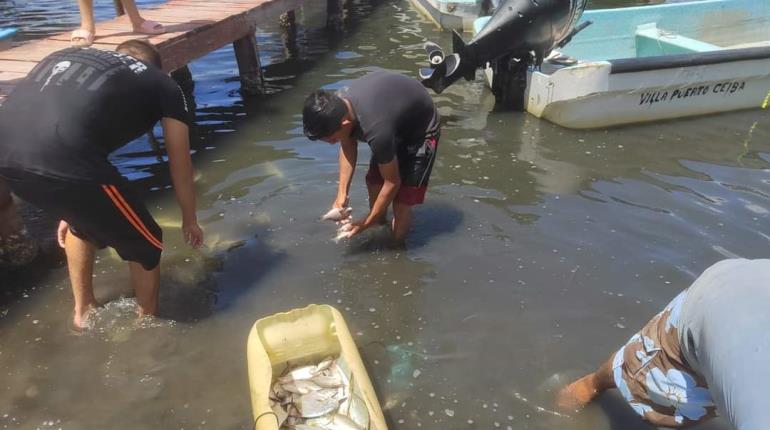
{"x": 651, "y": 63}
{"x": 451, "y": 14}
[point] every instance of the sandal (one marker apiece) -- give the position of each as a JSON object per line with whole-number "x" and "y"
{"x": 82, "y": 37}
{"x": 150, "y": 27}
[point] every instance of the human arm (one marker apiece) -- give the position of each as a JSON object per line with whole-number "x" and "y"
{"x": 347, "y": 159}
{"x": 61, "y": 233}
{"x": 177, "y": 141}
{"x": 391, "y": 184}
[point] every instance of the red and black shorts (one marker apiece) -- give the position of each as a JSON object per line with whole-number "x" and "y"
{"x": 414, "y": 166}
{"x": 103, "y": 214}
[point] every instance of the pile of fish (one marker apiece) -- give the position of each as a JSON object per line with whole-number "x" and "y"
{"x": 318, "y": 397}
{"x": 343, "y": 217}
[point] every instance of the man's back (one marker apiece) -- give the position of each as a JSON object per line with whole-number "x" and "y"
{"x": 724, "y": 330}
{"x": 77, "y": 106}
{"x": 391, "y": 110}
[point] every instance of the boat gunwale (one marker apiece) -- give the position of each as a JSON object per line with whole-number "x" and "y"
{"x": 645, "y": 64}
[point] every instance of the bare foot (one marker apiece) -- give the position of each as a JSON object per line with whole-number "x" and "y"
{"x": 576, "y": 395}
{"x": 83, "y": 320}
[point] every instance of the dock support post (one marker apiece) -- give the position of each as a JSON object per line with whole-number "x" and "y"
{"x": 247, "y": 55}
{"x": 334, "y": 21}
{"x": 16, "y": 246}
{"x": 289, "y": 24}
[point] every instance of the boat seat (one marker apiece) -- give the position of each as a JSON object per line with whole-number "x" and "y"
{"x": 653, "y": 41}
{"x": 5, "y": 37}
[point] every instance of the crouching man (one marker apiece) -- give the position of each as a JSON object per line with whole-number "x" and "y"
{"x": 706, "y": 353}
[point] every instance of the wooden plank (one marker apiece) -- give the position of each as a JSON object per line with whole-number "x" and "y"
{"x": 17, "y": 66}
{"x": 178, "y": 53}
{"x": 193, "y": 5}
{"x": 188, "y": 14}
{"x": 11, "y": 77}
{"x": 116, "y": 37}
{"x": 194, "y": 28}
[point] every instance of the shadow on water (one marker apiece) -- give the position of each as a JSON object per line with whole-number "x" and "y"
{"x": 428, "y": 222}
{"x": 190, "y": 291}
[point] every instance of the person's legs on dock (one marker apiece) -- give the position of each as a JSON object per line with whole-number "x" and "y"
{"x": 84, "y": 36}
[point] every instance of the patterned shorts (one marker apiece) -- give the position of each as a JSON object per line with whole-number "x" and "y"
{"x": 652, "y": 375}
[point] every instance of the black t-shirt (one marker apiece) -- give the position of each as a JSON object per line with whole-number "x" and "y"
{"x": 393, "y": 113}
{"x": 77, "y": 106}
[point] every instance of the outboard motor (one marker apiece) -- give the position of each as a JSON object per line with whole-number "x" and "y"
{"x": 520, "y": 33}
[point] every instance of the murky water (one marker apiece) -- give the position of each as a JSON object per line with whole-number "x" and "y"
{"x": 539, "y": 251}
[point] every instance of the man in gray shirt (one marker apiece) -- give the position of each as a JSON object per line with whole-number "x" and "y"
{"x": 396, "y": 117}
{"x": 708, "y": 352}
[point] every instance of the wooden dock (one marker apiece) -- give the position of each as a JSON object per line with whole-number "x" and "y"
{"x": 194, "y": 28}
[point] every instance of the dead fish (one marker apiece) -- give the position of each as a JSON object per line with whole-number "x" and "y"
{"x": 337, "y": 214}
{"x": 325, "y": 364}
{"x": 317, "y": 403}
{"x": 343, "y": 232}
{"x": 336, "y": 422}
{"x": 306, "y": 427}
{"x": 280, "y": 414}
{"x": 327, "y": 381}
{"x": 301, "y": 387}
{"x": 298, "y": 374}
{"x": 358, "y": 412}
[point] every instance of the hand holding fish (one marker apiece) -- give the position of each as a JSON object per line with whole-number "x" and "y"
{"x": 346, "y": 226}
{"x": 337, "y": 213}
{"x": 352, "y": 228}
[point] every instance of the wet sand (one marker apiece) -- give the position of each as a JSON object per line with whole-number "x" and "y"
{"x": 538, "y": 252}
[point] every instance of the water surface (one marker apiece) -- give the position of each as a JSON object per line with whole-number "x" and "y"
{"x": 538, "y": 252}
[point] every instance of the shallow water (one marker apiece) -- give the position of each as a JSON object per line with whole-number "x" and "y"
{"x": 539, "y": 251}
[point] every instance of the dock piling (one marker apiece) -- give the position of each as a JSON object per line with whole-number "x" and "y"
{"x": 334, "y": 19}
{"x": 288, "y": 22}
{"x": 249, "y": 67}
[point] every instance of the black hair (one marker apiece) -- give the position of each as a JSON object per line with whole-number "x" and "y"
{"x": 322, "y": 114}
{"x": 141, "y": 50}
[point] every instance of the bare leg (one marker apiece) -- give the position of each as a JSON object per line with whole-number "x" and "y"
{"x": 87, "y": 15}
{"x": 80, "y": 262}
{"x": 580, "y": 393}
{"x": 133, "y": 13}
{"x": 137, "y": 21}
{"x": 146, "y": 285}
{"x": 374, "y": 191}
{"x": 402, "y": 220}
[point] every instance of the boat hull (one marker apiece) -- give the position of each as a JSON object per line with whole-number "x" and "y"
{"x": 591, "y": 96}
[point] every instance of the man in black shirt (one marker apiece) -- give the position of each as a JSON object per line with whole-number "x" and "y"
{"x": 396, "y": 116}
{"x": 58, "y": 128}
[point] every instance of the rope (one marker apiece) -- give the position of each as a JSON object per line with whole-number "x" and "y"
{"x": 266, "y": 413}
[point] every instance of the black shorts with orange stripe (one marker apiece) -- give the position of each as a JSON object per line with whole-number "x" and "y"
{"x": 103, "y": 214}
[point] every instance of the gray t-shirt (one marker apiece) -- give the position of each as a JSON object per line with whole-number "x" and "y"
{"x": 724, "y": 330}
{"x": 393, "y": 113}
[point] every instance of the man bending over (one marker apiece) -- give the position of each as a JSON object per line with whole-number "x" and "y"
{"x": 59, "y": 126}
{"x": 706, "y": 353}
{"x": 396, "y": 117}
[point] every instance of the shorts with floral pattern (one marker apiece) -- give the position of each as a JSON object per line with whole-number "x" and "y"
{"x": 652, "y": 375}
